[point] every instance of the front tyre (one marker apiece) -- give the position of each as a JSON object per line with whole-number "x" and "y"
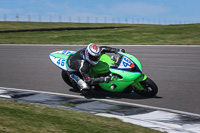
{"x": 150, "y": 88}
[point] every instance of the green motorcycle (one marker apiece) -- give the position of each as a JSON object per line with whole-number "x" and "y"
{"x": 125, "y": 71}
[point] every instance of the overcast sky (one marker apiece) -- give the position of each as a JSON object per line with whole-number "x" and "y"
{"x": 101, "y": 10}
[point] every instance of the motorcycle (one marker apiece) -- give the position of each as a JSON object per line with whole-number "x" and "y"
{"x": 125, "y": 71}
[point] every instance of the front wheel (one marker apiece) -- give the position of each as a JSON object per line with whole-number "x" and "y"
{"x": 150, "y": 88}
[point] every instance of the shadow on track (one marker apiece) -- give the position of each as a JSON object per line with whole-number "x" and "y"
{"x": 113, "y": 95}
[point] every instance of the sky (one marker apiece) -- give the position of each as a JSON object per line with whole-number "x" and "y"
{"x": 122, "y": 11}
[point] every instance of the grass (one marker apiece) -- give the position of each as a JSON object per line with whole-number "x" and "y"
{"x": 134, "y": 35}
{"x": 16, "y": 117}
{"x": 68, "y": 104}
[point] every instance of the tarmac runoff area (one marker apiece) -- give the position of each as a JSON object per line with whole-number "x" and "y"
{"x": 166, "y": 120}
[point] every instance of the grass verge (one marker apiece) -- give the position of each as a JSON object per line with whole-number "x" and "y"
{"x": 16, "y": 117}
{"x": 134, "y": 35}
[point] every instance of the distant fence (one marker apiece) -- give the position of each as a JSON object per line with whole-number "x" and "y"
{"x": 77, "y": 19}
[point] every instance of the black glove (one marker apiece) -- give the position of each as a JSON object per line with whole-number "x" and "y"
{"x": 107, "y": 79}
{"x": 121, "y": 50}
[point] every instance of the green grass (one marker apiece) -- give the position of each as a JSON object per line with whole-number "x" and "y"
{"x": 135, "y": 35}
{"x": 16, "y": 117}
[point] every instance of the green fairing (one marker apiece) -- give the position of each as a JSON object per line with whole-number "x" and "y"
{"x": 62, "y": 56}
{"x": 102, "y": 67}
{"x": 137, "y": 84}
{"x": 134, "y": 59}
{"x": 142, "y": 77}
{"x": 127, "y": 77}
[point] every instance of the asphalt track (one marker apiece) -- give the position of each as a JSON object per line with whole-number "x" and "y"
{"x": 175, "y": 69}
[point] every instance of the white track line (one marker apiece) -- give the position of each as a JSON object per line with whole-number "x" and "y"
{"x": 106, "y": 100}
{"x": 5, "y": 96}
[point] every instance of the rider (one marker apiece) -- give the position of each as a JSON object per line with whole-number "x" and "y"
{"x": 81, "y": 61}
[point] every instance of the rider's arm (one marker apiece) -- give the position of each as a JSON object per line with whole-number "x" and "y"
{"x": 84, "y": 70}
{"x": 95, "y": 81}
{"x": 106, "y": 49}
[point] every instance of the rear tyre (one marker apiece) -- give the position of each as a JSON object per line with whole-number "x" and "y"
{"x": 150, "y": 88}
{"x": 70, "y": 82}
{"x": 66, "y": 78}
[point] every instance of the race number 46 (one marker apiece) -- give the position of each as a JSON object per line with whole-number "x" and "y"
{"x": 61, "y": 62}
{"x": 126, "y": 62}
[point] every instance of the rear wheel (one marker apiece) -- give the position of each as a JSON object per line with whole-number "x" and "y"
{"x": 150, "y": 88}
{"x": 67, "y": 80}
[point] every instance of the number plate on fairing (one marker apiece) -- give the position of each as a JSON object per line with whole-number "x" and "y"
{"x": 126, "y": 63}
{"x": 59, "y": 62}
{"x": 59, "y": 58}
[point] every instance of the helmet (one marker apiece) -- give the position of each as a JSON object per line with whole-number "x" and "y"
{"x": 92, "y": 53}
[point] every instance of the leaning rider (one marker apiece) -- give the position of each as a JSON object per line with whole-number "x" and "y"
{"x": 81, "y": 61}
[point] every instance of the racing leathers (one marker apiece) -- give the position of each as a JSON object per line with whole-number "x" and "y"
{"x": 78, "y": 63}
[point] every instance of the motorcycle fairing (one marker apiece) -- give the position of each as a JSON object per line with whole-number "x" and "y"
{"x": 59, "y": 58}
{"x": 127, "y": 77}
{"x": 126, "y": 63}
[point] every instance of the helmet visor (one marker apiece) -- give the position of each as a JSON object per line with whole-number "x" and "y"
{"x": 94, "y": 58}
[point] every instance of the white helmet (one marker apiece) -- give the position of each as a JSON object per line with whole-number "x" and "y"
{"x": 92, "y": 53}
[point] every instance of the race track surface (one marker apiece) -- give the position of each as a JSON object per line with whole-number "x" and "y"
{"x": 175, "y": 70}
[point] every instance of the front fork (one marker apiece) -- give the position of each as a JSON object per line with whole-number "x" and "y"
{"x": 137, "y": 84}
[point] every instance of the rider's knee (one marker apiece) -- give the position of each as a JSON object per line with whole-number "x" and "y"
{"x": 80, "y": 83}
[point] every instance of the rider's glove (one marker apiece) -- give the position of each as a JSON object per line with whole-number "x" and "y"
{"x": 107, "y": 79}
{"x": 121, "y": 50}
